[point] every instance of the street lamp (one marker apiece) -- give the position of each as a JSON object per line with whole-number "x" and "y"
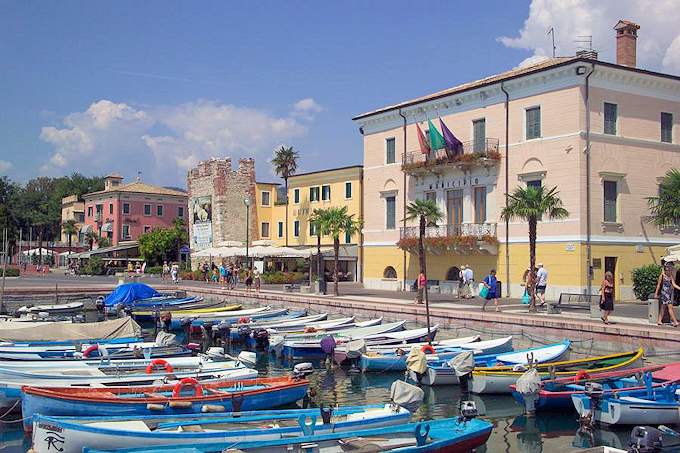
{"x": 246, "y": 201}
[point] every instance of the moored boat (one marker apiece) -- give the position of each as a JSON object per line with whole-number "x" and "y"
{"x": 211, "y": 397}
{"x": 499, "y": 379}
{"x": 216, "y": 307}
{"x": 69, "y": 307}
{"x": 137, "y": 431}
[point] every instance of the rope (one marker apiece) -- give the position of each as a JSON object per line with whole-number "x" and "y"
{"x": 9, "y": 411}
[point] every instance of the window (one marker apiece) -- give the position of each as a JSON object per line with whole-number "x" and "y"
{"x": 296, "y": 228}
{"x": 89, "y": 211}
{"x": 390, "y": 151}
{"x": 110, "y": 208}
{"x": 666, "y": 127}
{"x": 296, "y": 196}
{"x": 265, "y": 230}
{"x": 147, "y": 209}
{"x": 280, "y": 229}
{"x": 348, "y": 190}
{"x": 610, "y": 118}
{"x": 80, "y": 217}
{"x": 265, "y": 198}
{"x": 147, "y": 228}
{"x": 180, "y": 212}
{"x": 390, "y": 212}
{"x": 126, "y": 231}
{"x": 479, "y": 135}
{"x": 313, "y": 194}
{"x": 326, "y": 193}
{"x": 534, "y": 183}
{"x": 159, "y": 210}
{"x": 533, "y": 123}
{"x": 431, "y": 196}
{"x": 610, "y": 201}
{"x": 313, "y": 229}
{"x": 389, "y": 272}
{"x": 126, "y": 208}
{"x": 480, "y": 204}
{"x": 99, "y": 209}
{"x": 348, "y": 238}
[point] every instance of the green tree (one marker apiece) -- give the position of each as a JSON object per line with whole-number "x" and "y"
{"x": 103, "y": 241}
{"x": 91, "y": 237}
{"x": 9, "y": 213}
{"x": 531, "y": 204}
{"x": 665, "y": 208}
{"x": 427, "y": 213}
{"x": 334, "y": 222}
{"x": 285, "y": 162}
{"x": 69, "y": 227}
{"x": 316, "y": 219}
{"x": 162, "y": 244}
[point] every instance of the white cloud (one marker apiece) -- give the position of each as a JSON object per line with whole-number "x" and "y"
{"x": 658, "y": 46}
{"x": 5, "y": 166}
{"x": 166, "y": 140}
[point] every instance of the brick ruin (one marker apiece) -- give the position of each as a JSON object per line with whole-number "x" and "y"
{"x": 228, "y": 190}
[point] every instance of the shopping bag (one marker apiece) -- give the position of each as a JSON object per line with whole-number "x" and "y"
{"x": 483, "y": 290}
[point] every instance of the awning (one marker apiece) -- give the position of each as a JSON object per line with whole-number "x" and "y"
{"x": 115, "y": 248}
{"x": 345, "y": 253}
{"x": 257, "y": 251}
{"x": 38, "y": 251}
{"x": 86, "y": 229}
{"x": 107, "y": 227}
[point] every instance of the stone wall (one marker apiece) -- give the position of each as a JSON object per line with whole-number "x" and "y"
{"x": 228, "y": 190}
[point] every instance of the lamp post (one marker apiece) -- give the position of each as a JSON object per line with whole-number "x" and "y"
{"x": 246, "y": 201}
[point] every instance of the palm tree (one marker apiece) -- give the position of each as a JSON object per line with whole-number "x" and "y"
{"x": 91, "y": 237}
{"x": 531, "y": 204}
{"x": 665, "y": 208}
{"x": 334, "y": 222}
{"x": 428, "y": 213}
{"x": 70, "y": 228}
{"x": 285, "y": 165}
{"x": 316, "y": 219}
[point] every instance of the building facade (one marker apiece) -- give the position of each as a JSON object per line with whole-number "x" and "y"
{"x": 72, "y": 208}
{"x": 123, "y": 212}
{"x": 602, "y": 133}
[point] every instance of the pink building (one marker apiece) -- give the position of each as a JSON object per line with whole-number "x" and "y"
{"x": 122, "y": 212}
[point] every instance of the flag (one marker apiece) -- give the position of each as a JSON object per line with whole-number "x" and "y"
{"x": 436, "y": 139}
{"x": 424, "y": 146}
{"x": 453, "y": 145}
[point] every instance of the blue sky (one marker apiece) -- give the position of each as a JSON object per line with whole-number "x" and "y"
{"x": 155, "y": 86}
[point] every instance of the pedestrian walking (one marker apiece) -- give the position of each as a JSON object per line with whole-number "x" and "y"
{"x": 165, "y": 272}
{"x": 607, "y": 296}
{"x": 470, "y": 281}
{"x": 541, "y": 283}
{"x": 421, "y": 282}
{"x": 257, "y": 279}
{"x": 491, "y": 284}
{"x": 205, "y": 270}
{"x": 223, "y": 273}
{"x": 174, "y": 273}
{"x": 664, "y": 292}
{"x": 249, "y": 281}
{"x": 463, "y": 284}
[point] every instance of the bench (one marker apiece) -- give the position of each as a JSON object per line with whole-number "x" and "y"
{"x": 573, "y": 300}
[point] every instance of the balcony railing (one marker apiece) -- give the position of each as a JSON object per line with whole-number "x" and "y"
{"x": 475, "y": 152}
{"x": 478, "y": 230}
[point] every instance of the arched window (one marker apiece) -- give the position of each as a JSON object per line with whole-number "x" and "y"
{"x": 389, "y": 272}
{"x": 453, "y": 274}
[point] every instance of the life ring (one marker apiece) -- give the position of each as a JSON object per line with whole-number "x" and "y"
{"x": 187, "y": 382}
{"x": 159, "y": 362}
{"x": 90, "y": 349}
{"x": 427, "y": 349}
{"x": 244, "y": 320}
{"x": 581, "y": 374}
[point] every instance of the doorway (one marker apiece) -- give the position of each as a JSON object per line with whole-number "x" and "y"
{"x": 454, "y": 207}
{"x": 610, "y": 266}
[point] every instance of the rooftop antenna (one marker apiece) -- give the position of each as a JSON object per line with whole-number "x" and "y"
{"x": 584, "y": 42}
{"x": 139, "y": 176}
{"x": 551, "y": 32}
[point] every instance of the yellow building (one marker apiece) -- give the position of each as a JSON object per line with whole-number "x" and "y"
{"x": 72, "y": 208}
{"x": 337, "y": 187}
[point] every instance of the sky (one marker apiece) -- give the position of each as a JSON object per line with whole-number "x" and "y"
{"x": 156, "y": 86}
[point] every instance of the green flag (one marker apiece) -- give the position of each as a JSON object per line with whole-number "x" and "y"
{"x": 436, "y": 138}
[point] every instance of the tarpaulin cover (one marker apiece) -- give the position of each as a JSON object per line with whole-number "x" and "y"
{"x": 64, "y": 331}
{"x": 529, "y": 382}
{"x": 130, "y": 292}
{"x": 355, "y": 348}
{"x": 405, "y": 394}
{"x": 416, "y": 361}
{"x": 463, "y": 363}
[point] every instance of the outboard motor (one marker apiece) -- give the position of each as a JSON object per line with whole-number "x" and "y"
{"x": 186, "y": 327}
{"x": 166, "y": 321}
{"x": 594, "y": 391}
{"x": 645, "y": 439}
{"x": 243, "y": 334}
{"x": 326, "y": 414}
{"x": 302, "y": 370}
{"x": 468, "y": 411}
{"x": 99, "y": 304}
{"x": 261, "y": 337}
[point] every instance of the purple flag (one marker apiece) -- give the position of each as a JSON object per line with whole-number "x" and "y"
{"x": 453, "y": 145}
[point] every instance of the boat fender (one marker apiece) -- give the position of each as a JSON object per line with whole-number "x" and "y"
{"x": 421, "y": 433}
{"x": 155, "y": 407}
{"x": 187, "y": 382}
{"x": 180, "y": 404}
{"x": 243, "y": 320}
{"x": 581, "y": 375}
{"x": 326, "y": 414}
{"x": 307, "y": 428}
{"x": 158, "y": 362}
{"x": 208, "y": 408}
{"x": 427, "y": 349}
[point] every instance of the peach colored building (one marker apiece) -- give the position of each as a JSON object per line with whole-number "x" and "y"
{"x": 602, "y": 133}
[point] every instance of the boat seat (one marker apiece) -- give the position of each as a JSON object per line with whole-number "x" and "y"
{"x": 358, "y": 445}
{"x": 190, "y": 429}
{"x": 132, "y": 425}
{"x": 632, "y": 399}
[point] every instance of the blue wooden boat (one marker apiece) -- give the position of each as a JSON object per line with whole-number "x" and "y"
{"x": 448, "y": 435}
{"x": 137, "y": 431}
{"x": 223, "y": 396}
{"x": 230, "y": 318}
{"x": 396, "y": 361}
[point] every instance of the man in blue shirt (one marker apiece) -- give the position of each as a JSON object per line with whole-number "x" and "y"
{"x": 491, "y": 283}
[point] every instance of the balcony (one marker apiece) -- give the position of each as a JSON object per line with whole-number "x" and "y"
{"x": 470, "y": 154}
{"x": 465, "y": 239}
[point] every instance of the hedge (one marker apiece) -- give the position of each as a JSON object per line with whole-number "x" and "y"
{"x": 644, "y": 280}
{"x": 283, "y": 277}
{"x": 11, "y": 272}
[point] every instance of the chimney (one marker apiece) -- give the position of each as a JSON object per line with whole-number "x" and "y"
{"x": 626, "y": 42}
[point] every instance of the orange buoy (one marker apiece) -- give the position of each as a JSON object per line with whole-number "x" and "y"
{"x": 159, "y": 363}
{"x": 187, "y": 382}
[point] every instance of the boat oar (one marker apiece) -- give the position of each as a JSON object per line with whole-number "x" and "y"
{"x": 666, "y": 430}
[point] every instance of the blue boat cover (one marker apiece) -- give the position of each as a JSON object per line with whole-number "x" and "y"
{"x": 128, "y": 293}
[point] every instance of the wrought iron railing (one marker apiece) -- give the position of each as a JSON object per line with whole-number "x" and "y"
{"x": 477, "y": 230}
{"x": 466, "y": 153}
